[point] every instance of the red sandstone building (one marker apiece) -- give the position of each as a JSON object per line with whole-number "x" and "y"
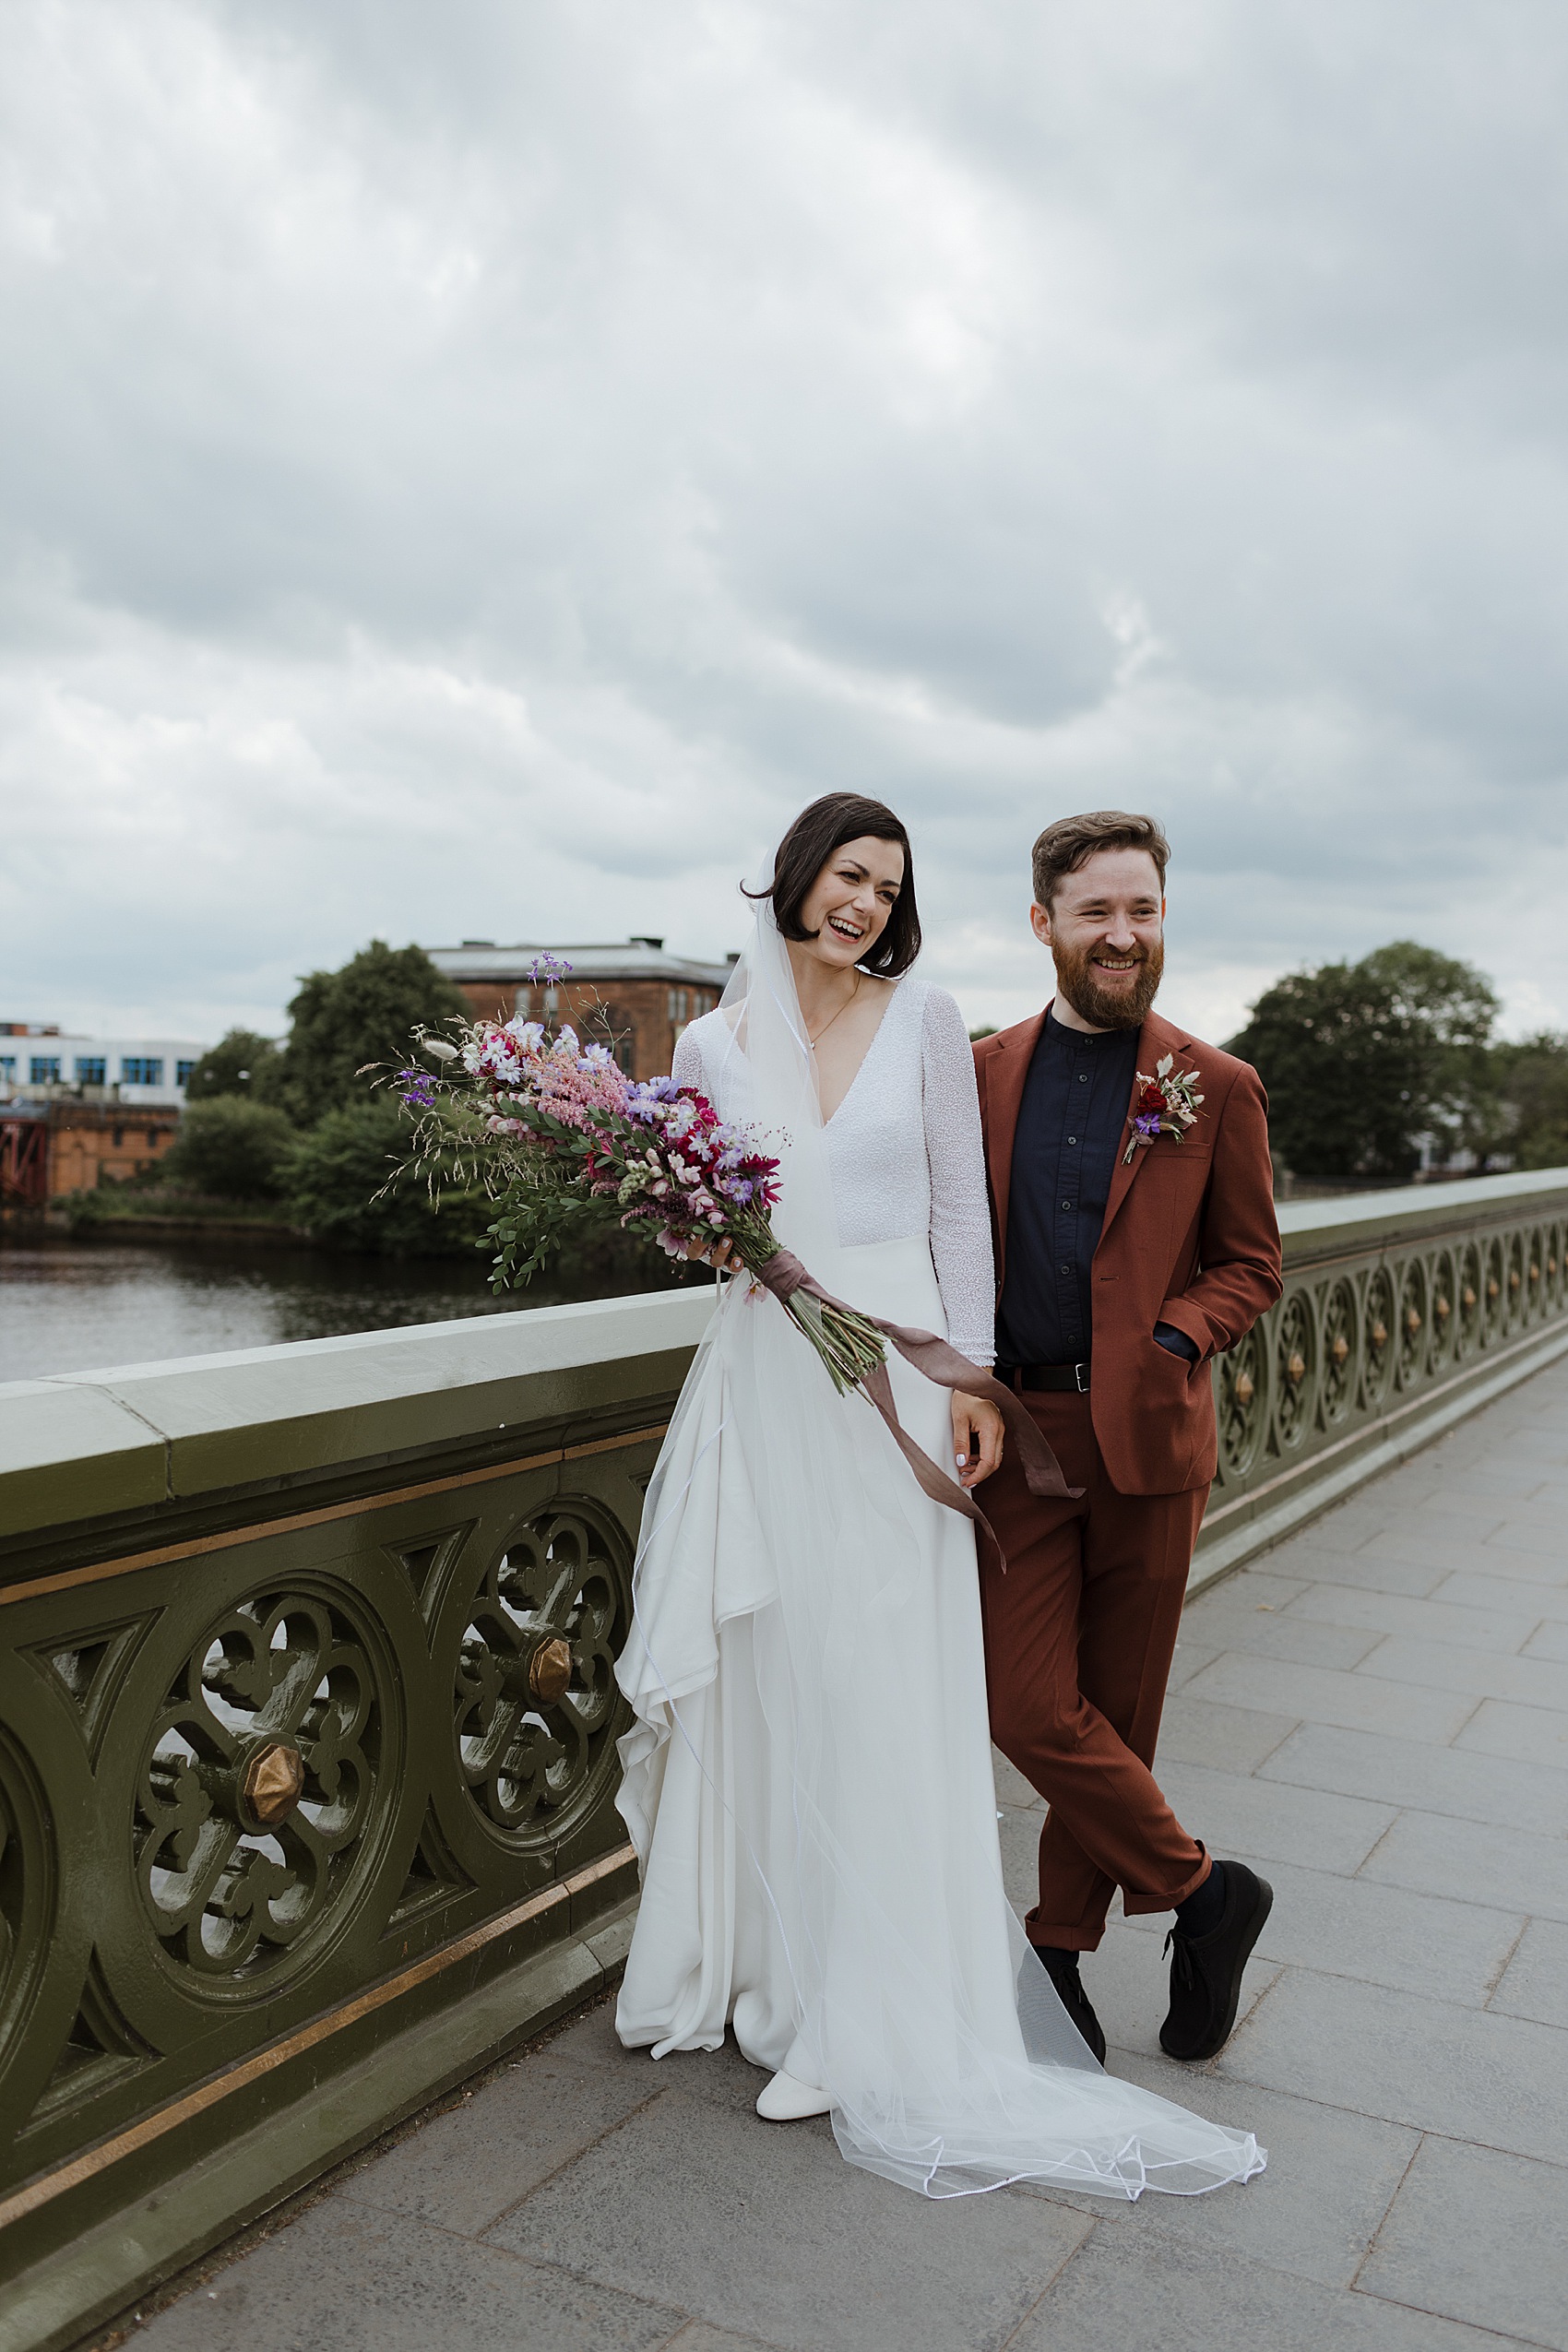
{"x": 636, "y": 998}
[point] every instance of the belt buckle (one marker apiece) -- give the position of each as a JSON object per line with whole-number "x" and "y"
{"x": 1080, "y": 1379}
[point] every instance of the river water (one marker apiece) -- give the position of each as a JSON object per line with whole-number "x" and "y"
{"x": 82, "y": 1306}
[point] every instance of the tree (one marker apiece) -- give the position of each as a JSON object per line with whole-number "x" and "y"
{"x": 1532, "y": 1089}
{"x": 241, "y": 1063}
{"x": 1363, "y": 1060}
{"x": 364, "y": 1013}
{"x": 230, "y": 1149}
{"x": 336, "y": 1171}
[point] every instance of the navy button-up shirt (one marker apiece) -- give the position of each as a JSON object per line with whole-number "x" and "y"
{"x": 1072, "y": 1123}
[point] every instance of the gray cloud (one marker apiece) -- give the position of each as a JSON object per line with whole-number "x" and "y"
{"x": 478, "y": 471}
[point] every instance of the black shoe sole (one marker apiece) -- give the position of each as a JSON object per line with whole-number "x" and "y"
{"x": 1250, "y": 1934}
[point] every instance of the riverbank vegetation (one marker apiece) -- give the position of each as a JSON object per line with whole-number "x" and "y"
{"x": 290, "y": 1137}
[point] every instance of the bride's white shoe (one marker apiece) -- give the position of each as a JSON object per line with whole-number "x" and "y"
{"x": 786, "y": 2100}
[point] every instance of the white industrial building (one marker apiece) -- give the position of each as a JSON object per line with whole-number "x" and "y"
{"x": 40, "y": 1063}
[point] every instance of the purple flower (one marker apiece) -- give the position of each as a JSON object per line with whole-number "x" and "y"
{"x": 416, "y": 1087}
{"x": 548, "y": 970}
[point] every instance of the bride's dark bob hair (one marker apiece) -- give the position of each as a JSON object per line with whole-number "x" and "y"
{"x": 816, "y": 834}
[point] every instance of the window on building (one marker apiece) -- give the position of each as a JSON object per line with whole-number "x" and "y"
{"x": 91, "y": 1069}
{"x": 153, "y": 1139}
{"x": 44, "y": 1070}
{"x": 119, "y": 1138}
{"x": 7, "y": 1069}
{"x": 183, "y": 1073}
{"x": 141, "y": 1070}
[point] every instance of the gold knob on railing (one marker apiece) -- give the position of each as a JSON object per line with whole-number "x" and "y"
{"x": 1442, "y": 1309}
{"x": 1412, "y": 1320}
{"x": 1296, "y": 1370}
{"x": 272, "y": 1783}
{"x": 1514, "y": 1279}
{"x": 1380, "y": 1334}
{"x": 1552, "y": 1268}
{"x": 1534, "y": 1270}
{"x": 550, "y": 1669}
{"x": 1245, "y": 1391}
{"x": 1340, "y": 1348}
{"x": 1493, "y": 1287}
{"x": 1466, "y": 1298}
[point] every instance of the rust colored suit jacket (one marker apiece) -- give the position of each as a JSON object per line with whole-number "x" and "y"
{"x": 1190, "y": 1237}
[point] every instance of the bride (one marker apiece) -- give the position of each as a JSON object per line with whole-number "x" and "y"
{"x": 808, "y": 1780}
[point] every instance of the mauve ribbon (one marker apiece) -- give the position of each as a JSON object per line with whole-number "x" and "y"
{"x": 783, "y": 1275}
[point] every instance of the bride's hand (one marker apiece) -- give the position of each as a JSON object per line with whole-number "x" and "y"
{"x": 977, "y": 1438}
{"x": 717, "y": 1253}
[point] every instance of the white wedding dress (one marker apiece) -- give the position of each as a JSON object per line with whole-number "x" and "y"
{"x": 808, "y": 1781}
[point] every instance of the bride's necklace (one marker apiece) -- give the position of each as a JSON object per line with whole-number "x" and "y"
{"x": 817, "y": 1041}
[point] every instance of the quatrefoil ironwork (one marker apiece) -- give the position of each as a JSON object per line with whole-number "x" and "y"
{"x": 259, "y": 1785}
{"x": 535, "y": 1699}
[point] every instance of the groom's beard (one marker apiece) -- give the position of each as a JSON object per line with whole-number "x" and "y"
{"x": 1105, "y": 1008}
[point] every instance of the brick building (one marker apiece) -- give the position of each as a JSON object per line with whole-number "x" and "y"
{"x": 48, "y": 1149}
{"x": 78, "y": 1109}
{"x": 636, "y": 997}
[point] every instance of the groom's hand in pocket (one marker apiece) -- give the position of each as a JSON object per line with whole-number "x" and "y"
{"x": 977, "y": 1438}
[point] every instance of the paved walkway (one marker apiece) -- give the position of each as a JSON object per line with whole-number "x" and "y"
{"x": 1378, "y": 1716}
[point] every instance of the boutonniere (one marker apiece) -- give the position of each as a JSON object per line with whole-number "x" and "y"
{"x": 1166, "y": 1104}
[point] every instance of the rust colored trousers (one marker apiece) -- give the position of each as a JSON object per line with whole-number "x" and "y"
{"x": 1079, "y": 1635}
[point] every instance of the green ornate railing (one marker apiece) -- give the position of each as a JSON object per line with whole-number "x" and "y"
{"x": 1399, "y": 1311}
{"x": 307, "y": 1720}
{"x": 307, "y": 1764}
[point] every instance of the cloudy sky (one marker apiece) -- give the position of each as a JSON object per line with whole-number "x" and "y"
{"x": 476, "y": 469}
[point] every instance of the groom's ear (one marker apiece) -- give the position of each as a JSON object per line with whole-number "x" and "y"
{"x": 1039, "y": 922}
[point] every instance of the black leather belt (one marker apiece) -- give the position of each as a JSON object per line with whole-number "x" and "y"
{"x": 1062, "y": 1380}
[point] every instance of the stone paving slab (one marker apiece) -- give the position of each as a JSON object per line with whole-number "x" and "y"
{"x": 341, "y": 2278}
{"x": 1150, "y": 2293}
{"x": 1461, "y": 1782}
{"x": 1535, "y": 1983}
{"x": 1481, "y": 1588}
{"x": 774, "y": 2233}
{"x": 1532, "y": 1735}
{"x": 1464, "y": 2072}
{"x": 1485, "y": 1862}
{"x": 1477, "y": 2236}
{"x": 1468, "y": 1628}
{"x": 1376, "y": 1716}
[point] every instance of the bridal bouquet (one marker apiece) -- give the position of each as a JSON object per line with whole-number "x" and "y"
{"x": 556, "y": 1134}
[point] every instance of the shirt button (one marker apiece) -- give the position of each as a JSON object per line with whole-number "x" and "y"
{"x": 1071, "y": 1139}
{"x": 1065, "y": 1269}
{"x": 1067, "y": 1204}
{"x": 1083, "y": 1078}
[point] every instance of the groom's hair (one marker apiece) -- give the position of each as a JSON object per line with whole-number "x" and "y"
{"x": 1063, "y": 847}
{"x": 817, "y": 833}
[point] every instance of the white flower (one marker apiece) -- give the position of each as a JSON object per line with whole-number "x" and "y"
{"x": 442, "y": 1051}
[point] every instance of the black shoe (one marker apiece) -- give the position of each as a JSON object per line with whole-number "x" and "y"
{"x": 1205, "y": 1970}
{"x": 1061, "y": 1967}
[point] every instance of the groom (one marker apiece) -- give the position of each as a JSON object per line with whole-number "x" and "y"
{"x": 1126, "y": 1260}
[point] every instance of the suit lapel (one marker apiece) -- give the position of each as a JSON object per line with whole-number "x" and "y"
{"x": 1007, "y": 1070}
{"x": 1156, "y": 1038}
